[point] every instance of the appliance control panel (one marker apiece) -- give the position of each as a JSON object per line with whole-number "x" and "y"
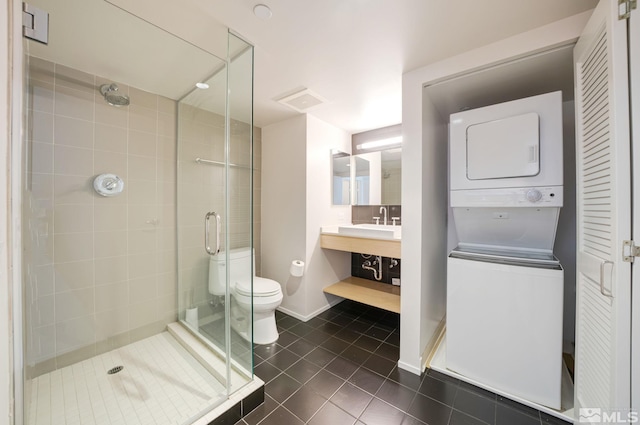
{"x": 543, "y": 195}
{"x": 540, "y": 197}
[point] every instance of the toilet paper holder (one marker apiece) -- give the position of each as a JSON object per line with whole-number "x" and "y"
{"x": 297, "y": 268}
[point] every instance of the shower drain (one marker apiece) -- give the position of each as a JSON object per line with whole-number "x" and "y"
{"x": 115, "y": 370}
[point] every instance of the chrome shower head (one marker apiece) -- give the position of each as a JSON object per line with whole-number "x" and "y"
{"x": 112, "y": 96}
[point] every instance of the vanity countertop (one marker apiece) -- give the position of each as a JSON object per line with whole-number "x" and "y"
{"x": 366, "y": 231}
{"x": 387, "y": 246}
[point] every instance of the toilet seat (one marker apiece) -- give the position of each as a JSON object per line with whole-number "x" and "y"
{"x": 261, "y": 287}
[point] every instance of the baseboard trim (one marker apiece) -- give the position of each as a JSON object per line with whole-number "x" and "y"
{"x": 409, "y": 368}
{"x": 312, "y": 315}
{"x": 424, "y": 360}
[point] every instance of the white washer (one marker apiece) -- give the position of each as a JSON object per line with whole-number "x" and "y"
{"x": 504, "y": 286}
{"x": 504, "y": 325}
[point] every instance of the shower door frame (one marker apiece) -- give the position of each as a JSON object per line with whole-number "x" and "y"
{"x": 14, "y": 148}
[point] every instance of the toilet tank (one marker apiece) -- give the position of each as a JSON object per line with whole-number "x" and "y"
{"x": 241, "y": 261}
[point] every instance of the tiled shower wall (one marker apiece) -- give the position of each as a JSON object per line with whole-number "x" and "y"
{"x": 201, "y": 189}
{"x": 363, "y": 214}
{"x": 101, "y": 272}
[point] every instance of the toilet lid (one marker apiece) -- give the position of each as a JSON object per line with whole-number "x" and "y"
{"x": 261, "y": 287}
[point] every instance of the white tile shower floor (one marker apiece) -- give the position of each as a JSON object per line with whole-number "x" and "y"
{"x": 161, "y": 383}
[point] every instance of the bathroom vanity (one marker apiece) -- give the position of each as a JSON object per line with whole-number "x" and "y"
{"x": 371, "y": 239}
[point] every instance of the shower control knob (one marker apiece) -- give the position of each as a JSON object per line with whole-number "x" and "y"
{"x": 108, "y": 185}
{"x": 534, "y": 195}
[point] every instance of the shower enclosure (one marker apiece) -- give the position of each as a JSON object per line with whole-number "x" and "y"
{"x": 132, "y": 138}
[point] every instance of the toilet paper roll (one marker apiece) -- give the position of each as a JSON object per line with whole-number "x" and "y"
{"x": 297, "y": 268}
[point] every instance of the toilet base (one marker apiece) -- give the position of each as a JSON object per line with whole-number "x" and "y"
{"x": 265, "y": 330}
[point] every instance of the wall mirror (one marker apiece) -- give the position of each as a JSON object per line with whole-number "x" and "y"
{"x": 362, "y": 181}
{"x": 377, "y": 161}
{"x": 341, "y": 172}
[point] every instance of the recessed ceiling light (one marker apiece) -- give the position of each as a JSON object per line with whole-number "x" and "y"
{"x": 262, "y": 11}
{"x": 202, "y": 86}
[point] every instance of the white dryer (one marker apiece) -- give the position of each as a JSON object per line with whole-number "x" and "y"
{"x": 514, "y": 144}
{"x": 504, "y": 286}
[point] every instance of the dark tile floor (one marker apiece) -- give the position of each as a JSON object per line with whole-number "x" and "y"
{"x": 340, "y": 368}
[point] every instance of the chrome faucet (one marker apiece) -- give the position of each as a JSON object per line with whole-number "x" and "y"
{"x": 384, "y": 210}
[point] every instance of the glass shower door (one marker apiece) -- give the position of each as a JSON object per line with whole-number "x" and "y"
{"x": 215, "y": 217}
{"x": 202, "y": 211}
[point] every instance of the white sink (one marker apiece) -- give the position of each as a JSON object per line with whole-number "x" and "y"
{"x": 375, "y": 231}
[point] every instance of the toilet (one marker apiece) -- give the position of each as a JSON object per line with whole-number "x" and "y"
{"x": 267, "y": 295}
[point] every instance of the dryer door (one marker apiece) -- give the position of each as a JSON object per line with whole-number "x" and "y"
{"x": 504, "y": 148}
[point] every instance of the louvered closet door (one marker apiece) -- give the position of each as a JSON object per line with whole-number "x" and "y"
{"x": 634, "y": 69}
{"x": 604, "y": 213}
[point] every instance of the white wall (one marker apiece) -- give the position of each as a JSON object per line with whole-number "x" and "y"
{"x": 565, "y": 246}
{"x": 296, "y": 202}
{"x": 324, "y": 267}
{"x": 284, "y": 178}
{"x": 424, "y": 209}
{"x": 424, "y": 206}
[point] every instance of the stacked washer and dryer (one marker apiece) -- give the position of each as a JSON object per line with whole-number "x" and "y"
{"x": 504, "y": 285}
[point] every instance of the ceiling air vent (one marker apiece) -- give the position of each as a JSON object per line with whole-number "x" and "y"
{"x": 302, "y": 100}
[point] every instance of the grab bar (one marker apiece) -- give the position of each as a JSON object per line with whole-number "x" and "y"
{"x": 207, "y": 247}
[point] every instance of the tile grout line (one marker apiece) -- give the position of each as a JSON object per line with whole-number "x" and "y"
{"x": 386, "y": 377}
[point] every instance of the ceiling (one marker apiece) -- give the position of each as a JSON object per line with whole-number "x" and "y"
{"x": 541, "y": 73}
{"x": 352, "y": 53}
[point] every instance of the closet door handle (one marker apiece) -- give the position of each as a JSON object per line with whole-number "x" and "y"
{"x": 603, "y": 291}
{"x": 207, "y": 246}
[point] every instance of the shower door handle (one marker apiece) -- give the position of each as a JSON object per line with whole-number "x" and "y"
{"x": 207, "y": 246}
